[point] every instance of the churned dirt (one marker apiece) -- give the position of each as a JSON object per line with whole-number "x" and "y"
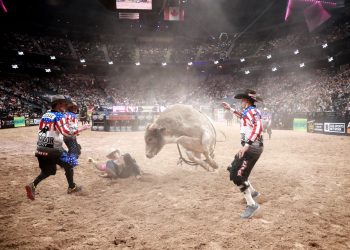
{"x": 304, "y": 180}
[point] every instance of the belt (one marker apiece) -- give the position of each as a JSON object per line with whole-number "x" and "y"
{"x": 254, "y": 144}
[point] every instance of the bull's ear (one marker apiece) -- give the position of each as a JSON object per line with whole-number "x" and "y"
{"x": 148, "y": 125}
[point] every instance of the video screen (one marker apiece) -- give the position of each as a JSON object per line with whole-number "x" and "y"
{"x": 134, "y": 4}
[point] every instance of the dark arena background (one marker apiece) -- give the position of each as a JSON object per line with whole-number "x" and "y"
{"x": 124, "y": 62}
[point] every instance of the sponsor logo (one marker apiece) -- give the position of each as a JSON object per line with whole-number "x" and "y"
{"x": 50, "y": 116}
{"x": 318, "y": 127}
{"x": 45, "y": 141}
{"x": 310, "y": 126}
{"x": 334, "y": 128}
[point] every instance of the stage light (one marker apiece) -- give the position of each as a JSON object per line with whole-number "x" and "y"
{"x": 269, "y": 56}
{"x": 52, "y": 57}
{"x": 247, "y": 72}
{"x": 47, "y": 70}
{"x": 216, "y": 62}
{"x": 20, "y": 53}
{"x": 189, "y": 63}
{"x": 296, "y": 52}
{"x": 274, "y": 69}
{"x": 330, "y": 59}
{"x": 325, "y": 45}
{"x": 242, "y": 60}
{"x": 110, "y": 62}
{"x": 14, "y": 66}
{"x": 301, "y": 65}
{"x": 82, "y": 60}
{"x": 137, "y": 63}
{"x": 164, "y": 63}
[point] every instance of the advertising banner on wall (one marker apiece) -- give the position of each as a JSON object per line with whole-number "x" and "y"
{"x": 318, "y": 127}
{"x": 6, "y": 123}
{"x": 336, "y": 128}
{"x": 19, "y": 121}
{"x": 300, "y": 124}
{"x": 310, "y": 126}
{"x": 33, "y": 122}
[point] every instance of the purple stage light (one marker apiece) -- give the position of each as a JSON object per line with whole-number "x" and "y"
{"x": 315, "y": 15}
{"x": 291, "y": 4}
{"x": 3, "y": 6}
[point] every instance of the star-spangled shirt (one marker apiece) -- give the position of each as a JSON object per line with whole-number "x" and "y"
{"x": 251, "y": 124}
{"x": 53, "y": 126}
{"x": 72, "y": 120}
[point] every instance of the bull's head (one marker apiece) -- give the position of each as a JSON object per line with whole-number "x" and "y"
{"x": 154, "y": 138}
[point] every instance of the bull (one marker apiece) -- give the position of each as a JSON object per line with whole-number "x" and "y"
{"x": 186, "y": 126}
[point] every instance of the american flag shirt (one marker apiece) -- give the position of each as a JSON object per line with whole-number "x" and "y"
{"x": 251, "y": 125}
{"x": 72, "y": 120}
{"x": 53, "y": 126}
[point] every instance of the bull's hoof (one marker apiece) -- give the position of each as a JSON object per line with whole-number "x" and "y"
{"x": 214, "y": 165}
{"x": 214, "y": 171}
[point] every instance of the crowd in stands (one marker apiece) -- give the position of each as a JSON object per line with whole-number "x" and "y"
{"x": 284, "y": 94}
{"x": 19, "y": 97}
{"x": 180, "y": 50}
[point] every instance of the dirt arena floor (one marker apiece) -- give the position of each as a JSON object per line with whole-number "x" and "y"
{"x": 304, "y": 180}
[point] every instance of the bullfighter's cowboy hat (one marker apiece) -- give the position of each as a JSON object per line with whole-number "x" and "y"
{"x": 53, "y": 99}
{"x": 250, "y": 95}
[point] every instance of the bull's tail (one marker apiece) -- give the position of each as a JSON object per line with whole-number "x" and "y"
{"x": 223, "y": 134}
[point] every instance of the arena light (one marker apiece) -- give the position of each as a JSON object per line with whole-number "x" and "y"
{"x": 325, "y": 45}
{"x": 137, "y": 63}
{"x": 20, "y": 53}
{"x": 189, "y": 63}
{"x": 242, "y": 60}
{"x": 296, "y": 52}
{"x": 269, "y": 56}
{"x": 216, "y": 62}
{"x": 247, "y": 72}
{"x": 82, "y": 60}
{"x": 52, "y": 57}
{"x": 47, "y": 70}
{"x": 274, "y": 69}
{"x": 302, "y": 65}
{"x": 14, "y": 66}
{"x": 110, "y": 62}
{"x": 330, "y": 59}
{"x": 164, "y": 63}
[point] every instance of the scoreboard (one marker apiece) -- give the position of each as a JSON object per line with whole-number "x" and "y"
{"x": 134, "y": 4}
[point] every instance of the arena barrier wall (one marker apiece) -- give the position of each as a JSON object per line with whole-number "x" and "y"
{"x": 122, "y": 121}
{"x": 16, "y": 122}
{"x": 328, "y": 123}
{"x": 7, "y": 123}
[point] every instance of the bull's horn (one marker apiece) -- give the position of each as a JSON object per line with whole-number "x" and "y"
{"x": 152, "y": 126}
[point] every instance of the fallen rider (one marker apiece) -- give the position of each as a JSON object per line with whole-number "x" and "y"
{"x": 118, "y": 165}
